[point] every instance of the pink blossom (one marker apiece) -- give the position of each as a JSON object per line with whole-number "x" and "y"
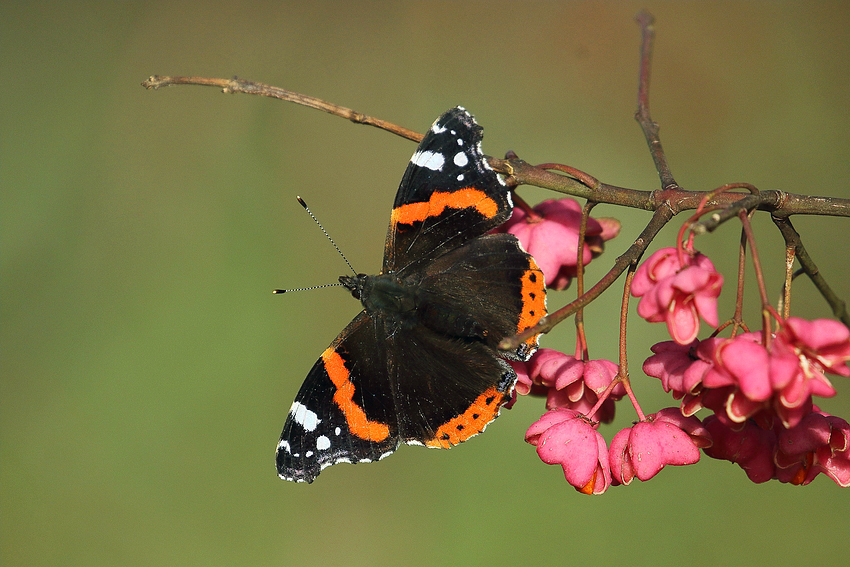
{"x": 749, "y": 446}
{"x": 672, "y": 363}
{"x": 664, "y": 438}
{"x": 803, "y": 353}
{"x": 552, "y": 237}
{"x": 575, "y": 384}
{"x": 681, "y": 369}
{"x": 678, "y": 293}
{"x": 565, "y": 437}
{"x": 739, "y": 378}
{"x": 819, "y": 443}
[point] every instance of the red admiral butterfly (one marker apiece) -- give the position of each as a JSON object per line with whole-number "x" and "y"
{"x": 420, "y": 364}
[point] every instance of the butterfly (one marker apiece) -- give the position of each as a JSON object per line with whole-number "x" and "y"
{"x": 420, "y": 363}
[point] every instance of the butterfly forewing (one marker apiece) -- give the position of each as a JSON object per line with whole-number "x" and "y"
{"x": 448, "y": 194}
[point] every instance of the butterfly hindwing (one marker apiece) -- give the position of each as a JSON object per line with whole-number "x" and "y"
{"x": 493, "y": 282}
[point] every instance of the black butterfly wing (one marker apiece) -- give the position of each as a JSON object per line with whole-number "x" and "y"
{"x": 433, "y": 377}
{"x": 448, "y": 194}
{"x": 359, "y": 402}
{"x": 488, "y": 289}
{"x": 344, "y": 411}
{"x": 446, "y": 389}
{"x": 448, "y": 377}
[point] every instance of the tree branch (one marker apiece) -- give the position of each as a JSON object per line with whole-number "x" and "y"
{"x": 665, "y": 203}
{"x": 779, "y": 203}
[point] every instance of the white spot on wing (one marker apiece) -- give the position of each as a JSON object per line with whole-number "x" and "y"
{"x": 323, "y": 443}
{"x": 437, "y": 129}
{"x": 460, "y": 177}
{"x": 431, "y": 160}
{"x": 308, "y": 454}
{"x": 303, "y": 416}
{"x": 284, "y": 444}
{"x": 337, "y": 431}
{"x": 460, "y": 159}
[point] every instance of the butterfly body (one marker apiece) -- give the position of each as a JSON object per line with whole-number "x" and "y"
{"x": 420, "y": 363}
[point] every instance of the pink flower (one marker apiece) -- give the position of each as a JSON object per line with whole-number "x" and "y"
{"x": 552, "y": 237}
{"x": 749, "y": 446}
{"x": 564, "y": 437}
{"x": 672, "y": 363}
{"x": 743, "y": 365}
{"x": 781, "y": 381}
{"x": 803, "y": 352}
{"x": 575, "y": 384}
{"x": 665, "y": 438}
{"x": 678, "y": 293}
{"x": 819, "y": 443}
{"x": 523, "y": 382}
{"x": 681, "y": 369}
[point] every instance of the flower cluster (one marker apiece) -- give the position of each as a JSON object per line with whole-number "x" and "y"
{"x": 566, "y": 437}
{"x": 819, "y": 443}
{"x": 570, "y": 383}
{"x": 678, "y": 288}
{"x": 740, "y": 378}
{"x": 759, "y": 385}
{"x": 760, "y": 394}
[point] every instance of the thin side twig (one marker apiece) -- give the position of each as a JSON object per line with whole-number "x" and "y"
{"x": 235, "y": 85}
{"x": 792, "y": 238}
{"x": 643, "y": 117}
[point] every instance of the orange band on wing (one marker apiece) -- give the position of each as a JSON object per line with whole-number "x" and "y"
{"x": 460, "y": 199}
{"x": 358, "y": 423}
{"x": 483, "y": 410}
{"x": 533, "y": 300}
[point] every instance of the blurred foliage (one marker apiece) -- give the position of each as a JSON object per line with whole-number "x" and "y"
{"x": 147, "y": 369}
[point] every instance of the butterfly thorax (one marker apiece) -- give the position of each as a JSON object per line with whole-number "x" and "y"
{"x": 382, "y": 293}
{"x": 405, "y": 301}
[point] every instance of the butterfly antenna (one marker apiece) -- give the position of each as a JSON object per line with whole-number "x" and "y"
{"x": 306, "y": 288}
{"x": 309, "y": 212}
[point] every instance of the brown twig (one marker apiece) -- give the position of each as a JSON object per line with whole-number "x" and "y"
{"x": 779, "y": 203}
{"x": 643, "y": 117}
{"x": 790, "y": 254}
{"x": 235, "y": 85}
{"x": 792, "y": 238}
{"x": 766, "y": 309}
{"x": 581, "y": 338}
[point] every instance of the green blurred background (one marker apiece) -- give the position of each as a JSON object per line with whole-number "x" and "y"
{"x": 147, "y": 369}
